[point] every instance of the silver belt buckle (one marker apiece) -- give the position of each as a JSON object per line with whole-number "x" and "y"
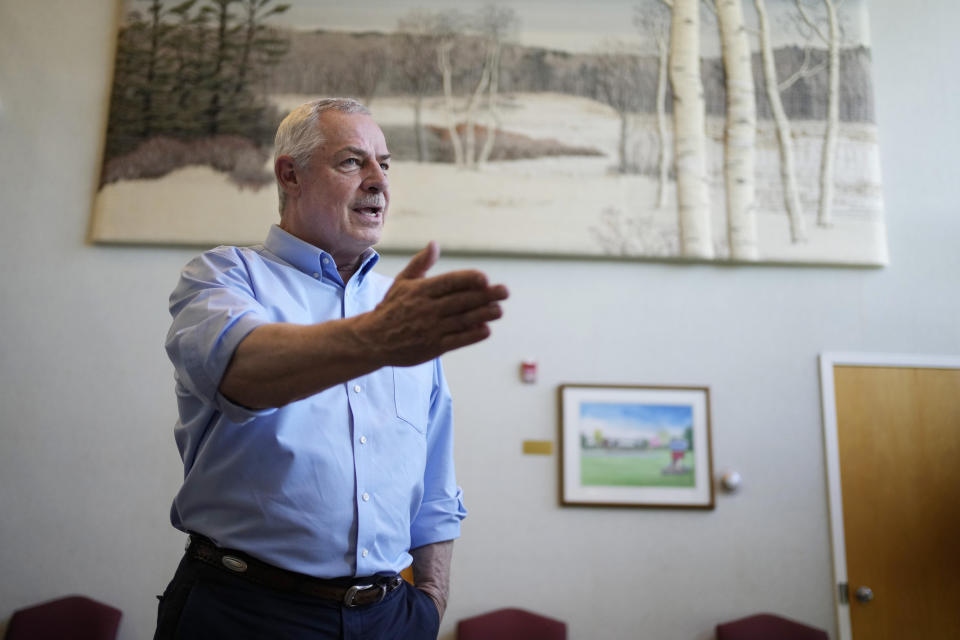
{"x": 351, "y": 594}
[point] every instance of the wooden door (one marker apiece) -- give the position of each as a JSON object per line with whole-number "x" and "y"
{"x": 898, "y": 437}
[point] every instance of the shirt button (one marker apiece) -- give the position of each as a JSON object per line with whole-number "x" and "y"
{"x": 363, "y": 439}
{"x": 326, "y": 261}
{"x": 356, "y": 388}
{"x": 316, "y": 275}
{"x": 364, "y": 553}
{"x": 366, "y": 497}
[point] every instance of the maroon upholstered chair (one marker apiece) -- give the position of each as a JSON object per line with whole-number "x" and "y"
{"x": 511, "y": 624}
{"x": 766, "y": 626}
{"x": 69, "y": 618}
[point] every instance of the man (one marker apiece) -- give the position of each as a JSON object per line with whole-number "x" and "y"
{"x": 315, "y": 421}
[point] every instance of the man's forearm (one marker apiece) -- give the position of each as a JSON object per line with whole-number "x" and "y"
{"x": 431, "y": 571}
{"x": 279, "y": 363}
{"x": 418, "y": 320}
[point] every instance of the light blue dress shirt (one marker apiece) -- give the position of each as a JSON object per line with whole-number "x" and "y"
{"x": 342, "y": 483}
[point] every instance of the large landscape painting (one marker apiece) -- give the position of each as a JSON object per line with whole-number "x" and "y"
{"x": 706, "y": 130}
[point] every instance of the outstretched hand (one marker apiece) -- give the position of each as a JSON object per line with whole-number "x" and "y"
{"x": 423, "y": 317}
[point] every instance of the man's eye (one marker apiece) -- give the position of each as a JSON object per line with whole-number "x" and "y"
{"x": 385, "y": 166}
{"x": 352, "y": 161}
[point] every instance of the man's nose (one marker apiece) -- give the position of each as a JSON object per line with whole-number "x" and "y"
{"x": 376, "y": 180}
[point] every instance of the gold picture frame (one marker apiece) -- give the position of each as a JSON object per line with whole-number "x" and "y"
{"x": 635, "y": 446}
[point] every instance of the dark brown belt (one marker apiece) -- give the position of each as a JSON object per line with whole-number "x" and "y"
{"x": 362, "y": 591}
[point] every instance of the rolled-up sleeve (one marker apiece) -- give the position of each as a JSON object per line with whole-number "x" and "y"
{"x": 441, "y": 510}
{"x": 214, "y": 308}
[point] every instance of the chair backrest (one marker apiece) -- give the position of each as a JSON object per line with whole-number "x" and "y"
{"x": 767, "y": 626}
{"x": 511, "y": 624}
{"x": 68, "y": 618}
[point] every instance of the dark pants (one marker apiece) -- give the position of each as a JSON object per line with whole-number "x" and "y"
{"x": 203, "y": 602}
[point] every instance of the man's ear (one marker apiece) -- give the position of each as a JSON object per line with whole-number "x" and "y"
{"x": 287, "y": 175}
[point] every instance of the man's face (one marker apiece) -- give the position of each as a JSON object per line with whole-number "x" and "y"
{"x": 344, "y": 193}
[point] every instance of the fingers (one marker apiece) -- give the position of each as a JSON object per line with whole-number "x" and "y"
{"x": 499, "y": 292}
{"x": 464, "y": 338}
{"x": 420, "y": 263}
{"x": 461, "y": 301}
{"x": 456, "y": 281}
{"x": 448, "y": 283}
{"x": 468, "y": 320}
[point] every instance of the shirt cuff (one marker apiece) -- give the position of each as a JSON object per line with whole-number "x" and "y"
{"x": 205, "y": 356}
{"x": 438, "y": 521}
{"x": 239, "y": 414}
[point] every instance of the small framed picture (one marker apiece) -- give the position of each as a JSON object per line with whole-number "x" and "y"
{"x": 635, "y": 446}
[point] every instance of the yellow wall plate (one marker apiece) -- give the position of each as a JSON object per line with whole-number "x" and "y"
{"x": 538, "y": 447}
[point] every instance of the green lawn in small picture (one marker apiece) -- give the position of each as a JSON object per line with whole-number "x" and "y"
{"x": 641, "y": 469}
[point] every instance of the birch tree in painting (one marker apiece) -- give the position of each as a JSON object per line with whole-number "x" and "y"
{"x": 655, "y": 22}
{"x": 469, "y": 125}
{"x": 741, "y": 127}
{"x": 616, "y": 75}
{"x": 830, "y": 37}
{"x": 689, "y": 125}
{"x": 788, "y": 174}
{"x": 447, "y": 30}
{"x": 415, "y": 53}
{"x": 453, "y": 32}
{"x": 370, "y": 72}
{"x": 496, "y": 24}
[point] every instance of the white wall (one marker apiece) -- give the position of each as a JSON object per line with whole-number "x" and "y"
{"x": 88, "y": 464}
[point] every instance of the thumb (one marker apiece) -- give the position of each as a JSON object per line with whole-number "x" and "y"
{"x": 420, "y": 263}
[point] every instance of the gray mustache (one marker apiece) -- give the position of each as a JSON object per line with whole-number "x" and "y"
{"x": 376, "y": 201}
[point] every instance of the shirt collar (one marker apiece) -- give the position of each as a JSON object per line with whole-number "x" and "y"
{"x": 310, "y": 259}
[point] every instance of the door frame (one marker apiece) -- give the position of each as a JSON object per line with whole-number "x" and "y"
{"x": 828, "y": 360}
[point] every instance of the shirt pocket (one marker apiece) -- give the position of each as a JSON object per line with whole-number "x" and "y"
{"x": 412, "y": 388}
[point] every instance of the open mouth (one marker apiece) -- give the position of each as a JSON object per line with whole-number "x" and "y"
{"x": 370, "y": 209}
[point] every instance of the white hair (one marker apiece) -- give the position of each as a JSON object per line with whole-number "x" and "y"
{"x": 299, "y": 135}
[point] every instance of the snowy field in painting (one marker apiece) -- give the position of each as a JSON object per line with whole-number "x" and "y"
{"x": 547, "y": 206}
